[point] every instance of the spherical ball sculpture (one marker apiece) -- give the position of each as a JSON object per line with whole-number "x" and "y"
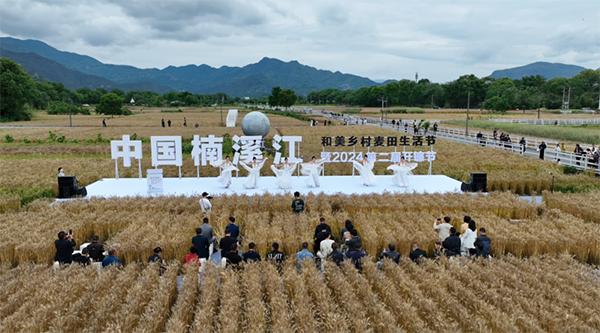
{"x": 256, "y": 123}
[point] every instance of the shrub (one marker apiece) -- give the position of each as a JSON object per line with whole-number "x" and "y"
{"x": 60, "y": 107}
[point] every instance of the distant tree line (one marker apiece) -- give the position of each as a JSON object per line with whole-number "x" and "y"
{"x": 530, "y": 92}
{"x": 20, "y": 94}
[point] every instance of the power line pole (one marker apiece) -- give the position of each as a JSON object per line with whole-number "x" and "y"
{"x": 222, "y": 101}
{"x": 468, "y": 107}
{"x": 383, "y": 100}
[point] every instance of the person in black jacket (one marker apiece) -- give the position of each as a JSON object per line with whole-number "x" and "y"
{"x": 452, "y": 244}
{"x": 417, "y": 255}
{"x": 252, "y": 255}
{"x": 322, "y": 230}
{"x": 95, "y": 250}
{"x": 201, "y": 244}
{"x": 232, "y": 257}
{"x": 232, "y": 229}
{"x": 336, "y": 256}
{"x": 391, "y": 253}
{"x": 297, "y": 203}
{"x": 483, "y": 244}
{"x": 542, "y": 148}
{"x": 65, "y": 246}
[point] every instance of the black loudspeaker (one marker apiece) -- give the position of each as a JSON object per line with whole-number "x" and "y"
{"x": 68, "y": 188}
{"x": 478, "y": 183}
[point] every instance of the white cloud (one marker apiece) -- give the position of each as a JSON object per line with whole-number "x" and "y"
{"x": 379, "y": 39}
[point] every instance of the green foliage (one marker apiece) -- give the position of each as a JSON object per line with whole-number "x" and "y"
{"x": 171, "y": 110}
{"x": 60, "y": 107}
{"x": 404, "y": 110}
{"x": 582, "y": 134}
{"x": 531, "y": 92}
{"x": 496, "y": 103}
{"x": 8, "y": 138}
{"x": 282, "y": 97}
{"x": 111, "y": 104}
{"x": 290, "y": 114}
{"x": 569, "y": 170}
{"x": 15, "y": 91}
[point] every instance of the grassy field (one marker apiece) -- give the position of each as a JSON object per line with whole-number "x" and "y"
{"x": 582, "y": 134}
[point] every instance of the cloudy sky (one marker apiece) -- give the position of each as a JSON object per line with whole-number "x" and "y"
{"x": 379, "y": 39}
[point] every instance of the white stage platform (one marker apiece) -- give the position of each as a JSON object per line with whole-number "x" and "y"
{"x": 136, "y": 187}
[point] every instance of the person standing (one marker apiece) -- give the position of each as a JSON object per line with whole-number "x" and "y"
{"x": 557, "y": 151}
{"x": 336, "y": 256}
{"x": 483, "y": 244}
{"x": 232, "y": 229}
{"x": 207, "y": 230}
{"x": 205, "y": 205}
{"x": 253, "y": 172}
{"x": 523, "y": 144}
{"x": 542, "y": 148}
{"x": 201, "y": 244}
{"x": 184, "y": 122}
{"x": 103, "y": 122}
{"x": 442, "y": 227}
{"x": 162, "y": 122}
{"x": 467, "y": 240}
{"x": 169, "y": 122}
{"x": 65, "y": 245}
{"x": 297, "y": 203}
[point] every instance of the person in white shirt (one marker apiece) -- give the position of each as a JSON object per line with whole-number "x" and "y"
{"x": 226, "y": 168}
{"x": 283, "y": 172}
{"x": 325, "y": 249}
{"x": 253, "y": 172}
{"x": 205, "y": 205}
{"x": 60, "y": 173}
{"x": 312, "y": 170}
{"x": 365, "y": 168}
{"x": 443, "y": 227}
{"x": 467, "y": 239}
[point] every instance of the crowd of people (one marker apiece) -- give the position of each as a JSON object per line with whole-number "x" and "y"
{"x": 326, "y": 248}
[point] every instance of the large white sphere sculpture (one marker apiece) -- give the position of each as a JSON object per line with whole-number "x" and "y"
{"x": 256, "y": 123}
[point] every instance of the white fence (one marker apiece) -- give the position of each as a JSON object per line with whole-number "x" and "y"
{"x": 550, "y": 121}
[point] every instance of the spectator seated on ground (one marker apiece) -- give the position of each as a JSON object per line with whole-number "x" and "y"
{"x": 251, "y": 255}
{"x": 336, "y": 256}
{"x": 65, "y": 245}
{"x": 391, "y": 253}
{"x": 191, "y": 257}
{"x": 452, "y": 244}
{"x": 356, "y": 255}
{"x": 232, "y": 257}
{"x": 304, "y": 255}
{"x": 417, "y": 255}
{"x": 96, "y": 249}
{"x": 276, "y": 256}
{"x": 111, "y": 259}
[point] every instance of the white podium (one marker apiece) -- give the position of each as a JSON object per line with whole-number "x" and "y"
{"x": 154, "y": 178}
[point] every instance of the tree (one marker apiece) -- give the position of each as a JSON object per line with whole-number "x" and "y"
{"x": 282, "y": 97}
{"x": 496, "y": 103}
{"x": 15, "y": 91}
{"x": 110, "y": 104}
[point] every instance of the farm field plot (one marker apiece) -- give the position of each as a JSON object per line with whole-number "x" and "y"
{"x": 546, "y": 294}
{"x": 136, "y": 226}
{"x": 85, "y": 152}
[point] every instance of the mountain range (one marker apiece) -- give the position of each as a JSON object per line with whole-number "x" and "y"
{"x": 75, "y": 71}
{"x": 255, "y": 80}
{"x": 546, "y": 69}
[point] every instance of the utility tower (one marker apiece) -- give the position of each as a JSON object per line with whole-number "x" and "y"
{"x": 566, "y": 99}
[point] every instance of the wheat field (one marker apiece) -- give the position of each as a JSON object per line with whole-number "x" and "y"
{"x": 551, "y": 294}
{"x": 135, "y": 226}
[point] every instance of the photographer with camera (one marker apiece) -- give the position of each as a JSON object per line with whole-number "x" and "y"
{"x": 65, "y": 245}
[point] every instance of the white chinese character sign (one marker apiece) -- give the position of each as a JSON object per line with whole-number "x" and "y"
{"x": 291, "y": 142}
{"x": 206, "y": 150}
{"x": 247, "y": 148}
{"x": 126, "y": 149}
{"x": 166, "y": 150}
